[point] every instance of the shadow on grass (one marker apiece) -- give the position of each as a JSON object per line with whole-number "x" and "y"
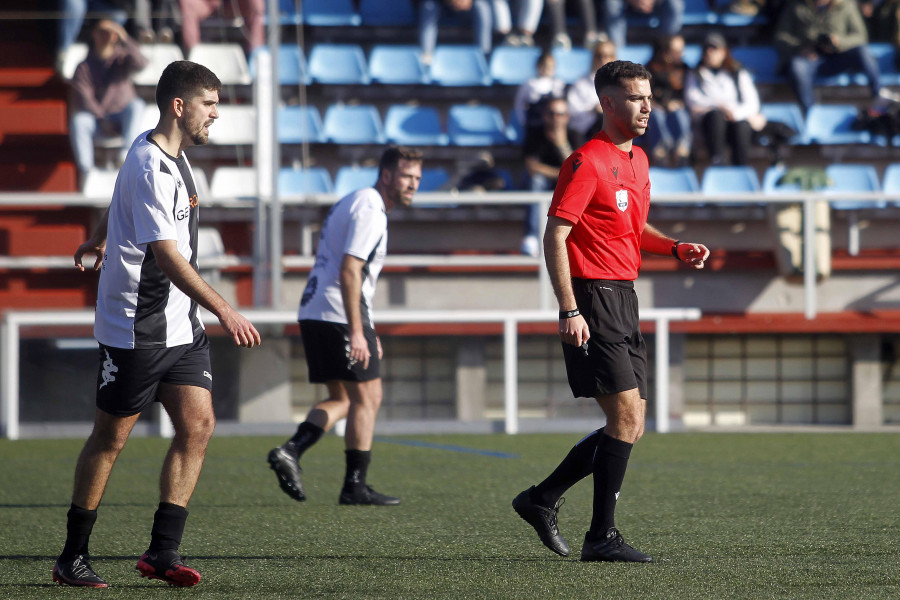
{"x": 37, "y": 557}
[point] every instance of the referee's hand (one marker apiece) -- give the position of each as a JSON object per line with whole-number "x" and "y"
{"x": 574, "y": 330}
{"x": 693, "y": 254}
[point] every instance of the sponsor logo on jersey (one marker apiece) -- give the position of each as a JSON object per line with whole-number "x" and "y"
{"x": 576, "y": 162}
{"x": 108, "y": 369}
{"x": 622, "y": 199}
{"x": 615, "y": 171}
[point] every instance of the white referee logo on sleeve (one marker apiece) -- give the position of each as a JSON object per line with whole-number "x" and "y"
{"x": 108, "y": 369}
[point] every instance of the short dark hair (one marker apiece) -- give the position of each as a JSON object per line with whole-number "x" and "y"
{"x": 617, "y": 73}
{"x": 184, "y": 79}
{"x": 391, "y": 157}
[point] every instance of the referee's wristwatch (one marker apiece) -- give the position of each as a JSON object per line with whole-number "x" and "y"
{"x": 675, "y": 249}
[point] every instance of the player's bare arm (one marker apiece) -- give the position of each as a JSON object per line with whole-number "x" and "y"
{"x": 572, "y": 330}
{"x": 351, "y": 292}
{"x": 182, "y": 274}
{"x": 655, "y": 242}
{"x": 96, "y": 244}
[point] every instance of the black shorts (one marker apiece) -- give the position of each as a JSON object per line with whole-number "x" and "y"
{"x": 327, "y": 347}
{"x": 616, "y": 359}
{"x": 128, "y": 379}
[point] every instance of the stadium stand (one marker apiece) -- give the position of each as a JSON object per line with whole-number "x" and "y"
{"x": 225, "y": 60}
{"x": 414, "y": 126}
{"x": 354, "y": 178}
{"x": 314, "y": 180}
{"x": 675, "y": 181}
{"x": 353, "y": 125}
{"x": 299, "y": 124}
{"x": 476, "y": 125}
{"x": 330, "y": 13}
{"x": 159, "y": 55}
{"x": 292, "y": 68}
{"x": 459, "y": 66}
{"x": 833, "y": 124}
{"x": 514, "y": 65}
{"x": 397, "y": 65}
{"x": 853, "y": 178}
{"x": 236, "y": 125}
{"x": 387, "y": 13}
{"x": 338, "y": 64}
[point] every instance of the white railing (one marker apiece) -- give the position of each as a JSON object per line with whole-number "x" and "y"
{"x": 13, "y": 321}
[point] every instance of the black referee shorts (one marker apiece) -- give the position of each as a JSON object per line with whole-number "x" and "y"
{"x": 616, "y": 359}
{"x": 327, "y": 347}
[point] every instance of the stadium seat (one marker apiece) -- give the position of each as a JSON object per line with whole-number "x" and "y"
{"x": 353, "y": 125}
{"x": 572, "y": 64}
{"x": 400, "y": 65}
{"x": 761, "y": 61}
{"x": 227, "y": 61}
{"x": 211, "y": 254}
{"x": 853, "y": 178}
{"x": 833, "y": 124}
{"x": 390, "y": 13}
{"x": 721, "y": 180}
{"x": 314, "y": 180}
{"x": 788, "y": 113}
{"x": 233, "y": 182}
{"x": 459, "y": 66}
{"x": 698, "y": 12}
{"x": 75, "y": 53}
{"x": 890, "y": 183}
{"x": 476, "y": 125}
{"x": 100, "y": 183}
{"x": 299, "y": 124}
{"x": 514, "y": 65}
{"x": 350, "y": 179}
{"x": 674, "y": 181}
{"x": 886, "y": 55}
{"x": 289, "y": 11}
{"x": 236, "y": 125}
{"x": 515, "y": 129}
{"x": 159, "y": 55}
{"x": 692, "y": 54}
{"x": 433, "y": 178}
{"x": 330, "y": 13}
{"x": 201, "y": 182}
{"x": 771, "y": 181}
{"x": 292, "y": 69}
{"x": 733, "y": 19}
{"x": 636, "y": 53}
{"x": 338, "y": 64}
{"x": 414, "y": 126}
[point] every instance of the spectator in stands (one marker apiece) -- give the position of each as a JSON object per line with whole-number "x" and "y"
{"x": 561, "y": 39}
{"x": 669, "y": 12}
{"x": 430, "y": 15}
{"x": 528, "y": 16}
{"x": 724, "y": 102}
{"x": 252, "y": 12}
{"x": 102, "y": 93}
{"x": 545, "y": 151}
{"x": 882, "y": 19}
{"x": 825, "y": 37}
{"x": 586, "y": 116}
{"x": 483, "y": 176}
{"x": 669, "y": 136}
{"x": 155, "y": 20}
{"x": 528, "y": 106}
{"x": 73, "y": 13}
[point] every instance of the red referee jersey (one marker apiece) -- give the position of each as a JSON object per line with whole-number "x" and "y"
{"x": 605, "y": 193}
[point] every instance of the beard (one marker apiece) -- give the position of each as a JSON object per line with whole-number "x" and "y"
{"x": 198, "y": 137}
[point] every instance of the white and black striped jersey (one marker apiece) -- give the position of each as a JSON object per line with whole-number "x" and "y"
{"x": 356, "y": 225}
{"x": 154, "y": 199}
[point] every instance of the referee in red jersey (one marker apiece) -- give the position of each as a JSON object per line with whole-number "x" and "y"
{"x": 596, "y": 230}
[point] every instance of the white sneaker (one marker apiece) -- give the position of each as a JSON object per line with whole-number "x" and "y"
{"x": 562, "y": 40}
{"x": 530, "y": 245}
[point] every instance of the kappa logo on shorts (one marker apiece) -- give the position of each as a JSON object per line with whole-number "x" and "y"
{"x": 622, "y": 199}
{"x": 208, "y": 375}
{"x": 108, "y": 369}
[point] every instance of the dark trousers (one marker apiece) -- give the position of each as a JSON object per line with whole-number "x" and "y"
{"x": 721, "y": 133}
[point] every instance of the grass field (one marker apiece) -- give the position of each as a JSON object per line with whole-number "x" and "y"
{"x": 724, "y": 515}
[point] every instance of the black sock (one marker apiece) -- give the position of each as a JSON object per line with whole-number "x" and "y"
{"x": 357, "y": 466}
{"x": 610, "y": 463}
{"x": 558, "y": 13}
{"x": 168, "y": 527}
{"x": 578, "y": 464}
{"x": 307, "y": 435}
{"x": 79, "y": 523}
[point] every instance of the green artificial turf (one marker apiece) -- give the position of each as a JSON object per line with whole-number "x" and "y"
{"x": 724, "y": 515}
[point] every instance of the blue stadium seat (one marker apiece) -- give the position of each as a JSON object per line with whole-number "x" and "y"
{"x": 830, "y": 124}
{"x": 400, "y": 65}
{"x": 733, "y": 19}
{"x": 515, "y": 129}
{"x": 289, "y": 11}
{"x": 636, "y": 53}
{"x": 674, "y": 181}
{"x": 573, "y": 64}
{"x": 692, "y": 54}
{"x": 314, "y": 180}
{"x": 698, "y": 12}
{"x": 886, "y": 56}
{"x": 353, "y": 125}
{"x": 433, "y": 178}
{"x": 771, "y": 178}
{"x": 853, "y": 178}
{"x": 514, "y": 65}
{"x": 330, "y": 13}
{"x": 761, "y": 61}
{"x": 477, "y": 125}
{"x": 788, "y": 113}
{"x": 350, "y": 179}
{"x": 338, "y": 64}
{"x": 292, "y": 69}
{"x": 414, "y": 126}
{"x": 459, "y": 66}
{"x": 391, "y": 13}
{"x": 890, "y": 183}
{"x": 719, "y": 180}
{"x": 298, "y": 124}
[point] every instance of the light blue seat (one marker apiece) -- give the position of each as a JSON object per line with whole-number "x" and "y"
{"x": 771, "y": 181}
{"x": 853, "y": 178}
{"x": 390, "y": 13}
{"x": 636, "y": 53}
{"x": 515, "y": 129}
{"x": 692, "y": 54}
{"x": 338, "y": 64}
{"x": 314, "y": 180}
{"x": 682, "y": 180}
{"x": 459, "y": 66}
{"x": 298, "y": 124}
{"x": 330, "y": 13}
{"x": 573, "y": 64}
{"x": 289, "y": 12}
{"x": 414, "y": 126}
{"x": 886, "y": 56}
{"x": 476, "y": 125}
{"x": 890, "y": 183}
{"x": 514, "y": 65}
{"x": 724, "y": 180}
{"x": 353, "y": 125}
{"x": 788, "y": 113}
{"x": 761, "y": 61}
{"x": 400, "y": 65}
{"x": 292, "y": 69}
{"x": 350, "y": 179}
{"x": 433, "y": 179}
{"x": 829, "y": 124}
{"x": 698, "y": 12}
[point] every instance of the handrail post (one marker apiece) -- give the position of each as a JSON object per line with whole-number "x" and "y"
{"x": 662, "y": 375}
{"x": 809, "y": 257}
{"x": 511, "y": 376}
{"x": 9, "y": 412}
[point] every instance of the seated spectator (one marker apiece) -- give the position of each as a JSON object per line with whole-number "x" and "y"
{"x": 155, "y": 20}
{"x": 669, "y": 12}
{"x": 528, "y": 16}
{"x": 252, "y": 12}
{"x": 528, "y": 106}
{"x": 668, "y": 139}
{"x": 723, "y": 101}
{"x": 73, "y": 13}
{"x": 430, "y": 15}
{"x": 561, "y": 39}
{"x": 482, "y": 175}
{"x": 882, "y": 19}
{"x": 102, "y": 93}
{"x": 545, "y": 151}
{"x": 825, "y": 37}
{"x": 586, "y": 116}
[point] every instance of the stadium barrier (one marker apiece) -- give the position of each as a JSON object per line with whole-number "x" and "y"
{"x": 13, "y": 321}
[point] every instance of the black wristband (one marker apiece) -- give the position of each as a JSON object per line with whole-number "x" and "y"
{"x": 568, "y": 314}
{"x": 675, "y": 249}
